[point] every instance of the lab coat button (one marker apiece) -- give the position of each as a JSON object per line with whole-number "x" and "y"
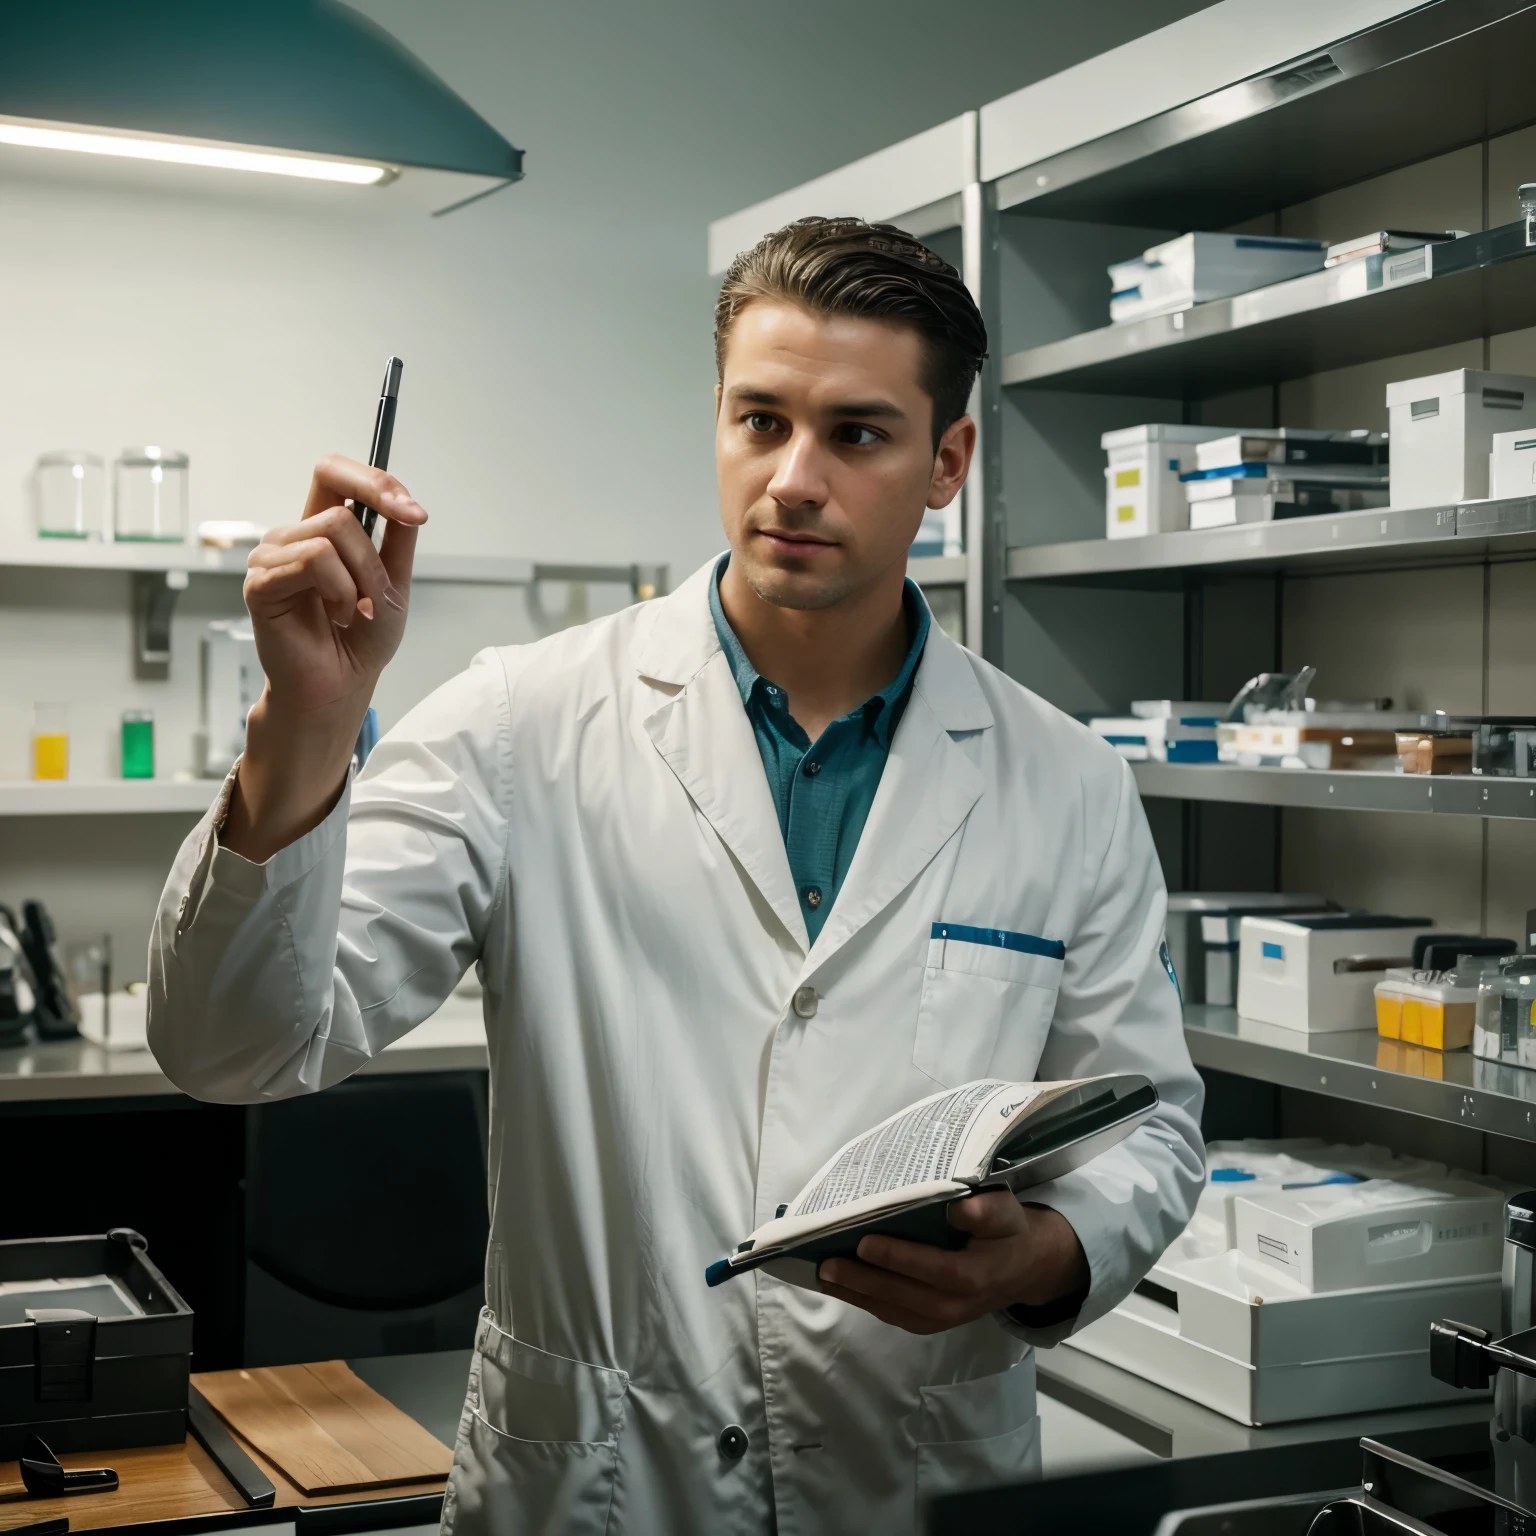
{"x": 812, "y": 897}
{"x": 733, "y": 1442}
{"x": 813, "y": 768}
{"x": 805, "y": 1003}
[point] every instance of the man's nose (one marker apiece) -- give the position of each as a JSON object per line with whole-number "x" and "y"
{"x": 799, "y": 477}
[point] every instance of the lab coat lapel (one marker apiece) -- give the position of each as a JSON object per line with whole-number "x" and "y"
{"x": 927, "y": 790}
{"x": 702, "y": 732}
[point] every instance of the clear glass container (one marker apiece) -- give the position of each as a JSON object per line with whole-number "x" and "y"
{"x": 149, "y": 496}
{"x": 50, "y": 741}
{"x": 1528, "y": 211}
{"x": 138, "y": 744}
{"x": 69, "y": 494}
{"x": 1519, "y": 986}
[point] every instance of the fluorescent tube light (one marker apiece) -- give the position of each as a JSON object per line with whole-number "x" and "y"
{"x": 229, "y": 157}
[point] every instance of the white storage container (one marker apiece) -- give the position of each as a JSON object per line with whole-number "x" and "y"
{"x": 1319, "y": 974}
{"x": 1142, "y": 493}
{"x": 1442, "y": 431}
{"x": 1341, "y": 1237}
{"x": 1512, "y": 464}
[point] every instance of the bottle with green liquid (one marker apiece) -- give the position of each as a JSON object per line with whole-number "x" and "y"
{"x": 138, "y": 744}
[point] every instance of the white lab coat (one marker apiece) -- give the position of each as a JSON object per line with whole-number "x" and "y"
{"x": 588, "y": 820}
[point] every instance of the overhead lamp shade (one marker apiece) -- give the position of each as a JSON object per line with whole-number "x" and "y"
{"x": 308, "y": 75}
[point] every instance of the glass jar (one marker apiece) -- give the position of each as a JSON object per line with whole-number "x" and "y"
{"x": 138, "y": 742}
{"x": 149, "y": 496}
{"x": 69, "y": 489}
{"x": 1519, "y": 983}
{"x": 50, "y": 741}
{"x": 1528, "y": 211}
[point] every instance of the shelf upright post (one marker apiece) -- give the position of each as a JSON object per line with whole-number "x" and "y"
{"x": 986, "y": 541}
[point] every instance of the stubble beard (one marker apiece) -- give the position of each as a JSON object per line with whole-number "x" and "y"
{"x": 795, "y": 589}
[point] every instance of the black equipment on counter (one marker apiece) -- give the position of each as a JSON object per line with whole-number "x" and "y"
{"x": 46, "y": 1477}
{"x": 57, "y": 1017}
{"x": 18, "y": 986}
{"x": 95, "y": 1351}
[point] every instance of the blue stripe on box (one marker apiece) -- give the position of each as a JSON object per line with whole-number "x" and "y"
{"x": 1001, "y": 938}
{"x": 1274, "y": 951}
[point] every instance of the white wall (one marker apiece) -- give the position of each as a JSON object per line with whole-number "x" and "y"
{"x": 556, "y": 400}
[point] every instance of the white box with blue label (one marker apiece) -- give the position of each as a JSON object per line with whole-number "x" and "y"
{"x": 1142, "y": 493}
{"x": 1318, "y": 974}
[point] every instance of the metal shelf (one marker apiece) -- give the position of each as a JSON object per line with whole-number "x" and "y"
{"x": 1408, "y": 88}
{"x": 1452, "y": 1086}
{"x": 938, "y": 570}
{"x": 1441, "y": 795}
{"x": 1389, "y": 536}
{"x": 107, "y": 797}
{"x": 1330, "y": 319}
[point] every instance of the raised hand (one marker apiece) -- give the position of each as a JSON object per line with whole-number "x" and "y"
{"x": 329, "y": 612}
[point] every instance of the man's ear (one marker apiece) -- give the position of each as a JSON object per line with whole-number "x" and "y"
{"x": 952, "y": 461}
{"x": 718, "y": 392}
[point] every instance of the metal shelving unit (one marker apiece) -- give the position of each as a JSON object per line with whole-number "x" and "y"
{"x": 1442, "y": 795}
{"x": 1378, "y": 306}
{"x": 1390, "y": 536}
{"x": 1451, "y": 1086}
{"x": 1166, "y": 131}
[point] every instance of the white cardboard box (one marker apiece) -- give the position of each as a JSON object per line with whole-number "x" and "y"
{"x": 1338, "y": 1237}
{"x": 1262, "y": 1353}
{"x": 1291, "y": 970}
{"x": 1142, "y": 493}
{"x": 1512, "y": 464}
{"x": 1442, "y": 431}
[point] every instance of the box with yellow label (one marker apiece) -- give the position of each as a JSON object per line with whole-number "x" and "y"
{"x": 1425, "y": 1008}
{"x": 1142, "y": 493}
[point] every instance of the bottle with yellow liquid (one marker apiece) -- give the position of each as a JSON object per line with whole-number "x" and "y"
{"x": 50, "y": 741}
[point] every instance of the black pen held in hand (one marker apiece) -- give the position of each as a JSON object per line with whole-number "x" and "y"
{"x": 383, "y": 431}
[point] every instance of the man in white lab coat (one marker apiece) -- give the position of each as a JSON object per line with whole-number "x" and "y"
{"x": 702, "y": 852}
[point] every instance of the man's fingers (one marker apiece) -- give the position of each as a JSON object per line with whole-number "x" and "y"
{"x": 336, "y": 478}
{"x": 993, "y": 1214}
{"x": 895, "y": 1316}
{"x": 343, "y": 531}
{"x": 893, "y": 1290}
{"x": 279, "y": 572}
{"x": 940, "y": 1268}
{"x": 398, "y": 552}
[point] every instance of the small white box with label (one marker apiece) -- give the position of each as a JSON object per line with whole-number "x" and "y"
{"x": 1319, "y": 973}
{"x": 1443, "y": 428}
{"x": 1340, "y": 1237}
{"x": 1512, "y": 464}
{"x": 1142, "y": 493}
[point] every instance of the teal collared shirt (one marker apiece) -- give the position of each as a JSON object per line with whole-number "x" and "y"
{"x": 822, "y": 790}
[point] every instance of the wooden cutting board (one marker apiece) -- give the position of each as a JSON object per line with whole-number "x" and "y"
{"x": 327, "y": 1431}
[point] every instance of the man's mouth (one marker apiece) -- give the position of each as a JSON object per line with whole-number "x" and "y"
{"x": 793, "y": 541}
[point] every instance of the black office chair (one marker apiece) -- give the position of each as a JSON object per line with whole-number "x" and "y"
{"x": 366, "y": 1219}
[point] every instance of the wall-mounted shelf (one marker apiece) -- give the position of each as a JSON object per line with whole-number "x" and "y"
{"x": 107, "y": 797}
{"x": 1441, "y": 795}
{"x": 1351, "y": 313}
{"x": 1305, "y": 111}
{"x": 938, "y": 570}
{"x": 1452, "y": 1086}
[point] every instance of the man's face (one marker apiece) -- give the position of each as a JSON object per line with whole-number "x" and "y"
{"x": 824, "y": 451}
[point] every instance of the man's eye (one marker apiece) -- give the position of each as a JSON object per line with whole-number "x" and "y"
{"x": 760, "y": 421}
{"x": 857, "y": 436}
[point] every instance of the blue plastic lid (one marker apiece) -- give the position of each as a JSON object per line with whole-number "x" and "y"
{"x": 1231, "y": 1176}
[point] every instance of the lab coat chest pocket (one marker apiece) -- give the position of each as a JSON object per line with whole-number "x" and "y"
{"x": 985, "y": 1010}
{"x": 975, "y": 1434}
{"x": 538, "y": 1442}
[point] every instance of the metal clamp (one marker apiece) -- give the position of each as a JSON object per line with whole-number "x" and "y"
{"x": 154, "y": 602}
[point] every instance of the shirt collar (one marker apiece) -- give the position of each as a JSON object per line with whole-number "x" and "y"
{"x": 881, "y": 707}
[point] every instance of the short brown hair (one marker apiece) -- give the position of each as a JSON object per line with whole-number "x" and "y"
{"x": 848, "y": 267}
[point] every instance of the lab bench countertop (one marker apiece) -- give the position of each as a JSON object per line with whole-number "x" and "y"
{"x": 452, "y": 1040}
{"x": 178, "y": 1488}
{"x": 181, "y": 1492}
